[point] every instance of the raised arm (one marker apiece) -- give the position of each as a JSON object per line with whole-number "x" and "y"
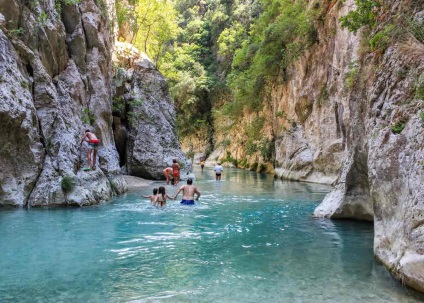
{"x": 83, "y": 137}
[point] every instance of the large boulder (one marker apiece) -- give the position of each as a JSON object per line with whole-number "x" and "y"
{"x": 148, "y": 111}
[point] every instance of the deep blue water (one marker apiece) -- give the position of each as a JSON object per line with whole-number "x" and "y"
{"x": 249, "y": 239}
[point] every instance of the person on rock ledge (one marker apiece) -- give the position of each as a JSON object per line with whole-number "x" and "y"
{"x": 93, "y": 146}
{"x": 167, "y": 172}
{"x": 176, "y": 171}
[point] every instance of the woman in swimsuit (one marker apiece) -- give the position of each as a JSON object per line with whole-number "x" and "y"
{"x": 176, "y": 171}
{"x": 161, "y": 197}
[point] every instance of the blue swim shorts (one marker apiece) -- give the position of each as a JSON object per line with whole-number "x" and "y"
{"x": 187, "y": 202}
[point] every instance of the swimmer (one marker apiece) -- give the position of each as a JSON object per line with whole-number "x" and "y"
{"x": 161, "y": 197}
{"x": 188, "y": 193}
{"x": 152, "y": 197}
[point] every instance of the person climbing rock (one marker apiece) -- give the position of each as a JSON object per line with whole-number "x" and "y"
{"x": 176, "y": 171}
{"x": 167, "y": 172}
{"x": 93, "y": 146}
{"x": 188, "y": 193}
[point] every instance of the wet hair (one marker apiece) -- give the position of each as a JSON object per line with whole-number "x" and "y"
{"x": 162, "y": 191}
{"x": 155, "y": 191}
{"x": 175, "y": 160}
{"x": 189, "y": 181}
{"x": 87, "y": 130}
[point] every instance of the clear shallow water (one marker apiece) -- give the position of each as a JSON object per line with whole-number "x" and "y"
{"x": 250, "y": 239}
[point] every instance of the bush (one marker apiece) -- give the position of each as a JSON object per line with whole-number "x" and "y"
{"x": 254, "y": 166}
{"x": 398, "y": 127}
{"x": 381, "y": 40}
{"x": 352, "y": 75}
{"x": 67, "y": 184}
{"x": 363, "y": 15}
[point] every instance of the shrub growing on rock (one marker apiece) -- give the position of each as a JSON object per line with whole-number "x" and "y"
{"x": 67, "y": 184}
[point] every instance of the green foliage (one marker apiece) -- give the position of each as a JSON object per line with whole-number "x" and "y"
{"x": 42, "y": 19}
{"x": 278, "y": 37}
{"x": 87, "y": 117}
{"x": 422, "y": 117}
{"x": 16, "y": 33}
{"x": 24, "y": 84}
{"x": 417, "y": 30}
{"x": 381, "y": 40}
{"x": 419, "y": 90}
{"x": 266, "y": 149}
{"x": 243, "y": 163}
{"x": 230, "y": 159}
{"x": 250, "y": 147}
{"x": 352, "y": 75}
{"x": 363, "y": 15}
{"x": 190, "y": 154}
{"x": 67, "y": 184}
{"x": 253, "y": 130}
{"x": 398, "y": 127}
{"x": 254, "y": 166}
{"x": 59, "y": 4}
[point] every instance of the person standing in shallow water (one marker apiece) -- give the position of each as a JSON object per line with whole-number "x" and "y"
{"x": 152, "y": 197}
{"x": 93, "y": 146}
{"x": 218, "y": 171}
{"x": 176, "y": 171}
{"x": 202, "y": 163}
{"x": 167, "y": 172}
{"x": 160, "y": 199}
{"x": 188, "y": 193}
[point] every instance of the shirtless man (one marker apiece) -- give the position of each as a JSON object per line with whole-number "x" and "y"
{"x": 176, "y": 171}
{"x": 93, "y": 146}
{"x": 188, "y": 193}
{"x": 167, "y": 172}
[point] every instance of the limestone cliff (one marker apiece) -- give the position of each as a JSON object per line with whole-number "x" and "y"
{"x": 354, "y": 118}
{"x": 55, "y": 72}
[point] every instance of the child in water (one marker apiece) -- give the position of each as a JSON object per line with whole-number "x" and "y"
{"x": 161, "y": 197}
{"x": 152, "y": 197}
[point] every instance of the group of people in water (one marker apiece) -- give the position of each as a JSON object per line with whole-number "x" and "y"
{"x": 159, "y": 196}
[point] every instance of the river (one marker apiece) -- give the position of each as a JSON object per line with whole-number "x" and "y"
{"x": 250, "y": 238}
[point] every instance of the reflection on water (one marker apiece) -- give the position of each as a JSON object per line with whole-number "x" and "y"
{"x": 250, "y": 239}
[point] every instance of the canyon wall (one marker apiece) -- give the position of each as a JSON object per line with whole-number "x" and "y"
{"x": 55, "y": 66}
{"x": 352, "y": 117}
{"x": 56, "y": 81}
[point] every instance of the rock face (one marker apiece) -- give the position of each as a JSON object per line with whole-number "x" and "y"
{"x": 145, "y": 129}
{"x": 354, "y": 119}
{"x": 55, "y": 69}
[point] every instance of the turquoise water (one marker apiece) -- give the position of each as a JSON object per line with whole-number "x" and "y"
{"x": 250, "y": 239}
